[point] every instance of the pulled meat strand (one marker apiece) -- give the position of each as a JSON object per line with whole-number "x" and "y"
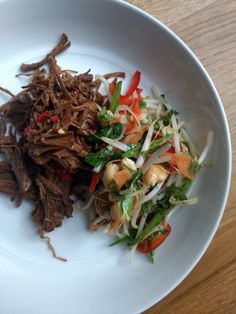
{"x": 7, "y": 91}
{"x": 50, "y": 246}
{"x": 62, "y": 45}
{"x": 115, "y": 74}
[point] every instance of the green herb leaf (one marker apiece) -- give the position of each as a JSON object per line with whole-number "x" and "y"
{"x": 132, "y": 234}
{"x": 146, "y": 207}
{"x": 179, "y": 193}
{"x": 142, "y": 104}
{"x": 101, "y": 158}
{"x": 156, "y": 220}
{"x": 104, "y": 115}
{"x": 113, "y": 132}
{"x": 164, "y": 101}
{"x": 166, "y": 117}
{"x": 144, "y": 153}
{"x": 126, "y": 206}
{"x": 127, "y": 239}
{"x": 156, "y": 143}
{"x": 117, "y": 129}
{"x": 135, "y": 178}
{"x": 115, "y": 97}
{"x": 133, "y": 151}
{"x": 119, "y": 241}
{"x": 195, "y": 167}
{"x": 157, "y": 126}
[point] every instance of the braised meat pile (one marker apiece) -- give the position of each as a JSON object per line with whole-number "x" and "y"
{"x": 43, "y": 136}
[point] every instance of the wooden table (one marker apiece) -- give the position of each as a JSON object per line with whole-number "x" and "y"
{"x": 209, "y": 29}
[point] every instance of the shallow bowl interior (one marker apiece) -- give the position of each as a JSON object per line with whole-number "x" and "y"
{"x": 108, "y": 36}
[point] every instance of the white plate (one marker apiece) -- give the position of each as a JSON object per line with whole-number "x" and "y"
{"x": 108, "y": 36}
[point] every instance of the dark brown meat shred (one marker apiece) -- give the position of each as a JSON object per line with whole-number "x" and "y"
{"x": 17, "y": 110}
{"x": 44, "y": 133}
{"x": 62, "y": 45}
{"x": 8, "y": 182}
{"x": 54, "y": 203}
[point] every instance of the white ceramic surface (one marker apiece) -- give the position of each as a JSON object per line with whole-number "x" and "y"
{"x": 108, "y": 36}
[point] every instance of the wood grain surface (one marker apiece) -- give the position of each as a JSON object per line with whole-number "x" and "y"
{"x": 208, "y": 27}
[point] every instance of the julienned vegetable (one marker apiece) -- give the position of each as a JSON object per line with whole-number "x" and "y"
{"x": 145, "y": 162}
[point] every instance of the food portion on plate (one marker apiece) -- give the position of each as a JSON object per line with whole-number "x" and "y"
{"x": 122, "y": 157}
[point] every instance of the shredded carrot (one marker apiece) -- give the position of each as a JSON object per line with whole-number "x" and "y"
{"x": 121, "y": 177}
{"x": 133, "y": 138}
{"x": 183, "y": 162}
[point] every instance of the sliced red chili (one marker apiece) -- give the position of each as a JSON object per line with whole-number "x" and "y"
{"x": 54, "y": 119}
{"x": 94, "y": 181}
{"x": 150, "y": 244}
{"x": 139, "y": 91}
{"x": 64, "y": 174}
{"x": 134, "y": 83}
{"x": 169, "y": 167}
{"x": 171, "y": 150}
{"x": 43, "y": 117}
{"x": 126, "y": 100}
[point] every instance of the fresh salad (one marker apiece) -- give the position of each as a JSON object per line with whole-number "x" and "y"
{"x": 143, "y": 163}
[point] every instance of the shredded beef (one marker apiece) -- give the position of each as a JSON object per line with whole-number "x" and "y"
{"x": 44, "y": 132}
{"x": 8, "y": 182}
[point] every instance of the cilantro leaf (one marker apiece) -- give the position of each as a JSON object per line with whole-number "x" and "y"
{"x": 104, "y": 115}
{"x": 113, "y": 132}
{"x": 101, "y": 158}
